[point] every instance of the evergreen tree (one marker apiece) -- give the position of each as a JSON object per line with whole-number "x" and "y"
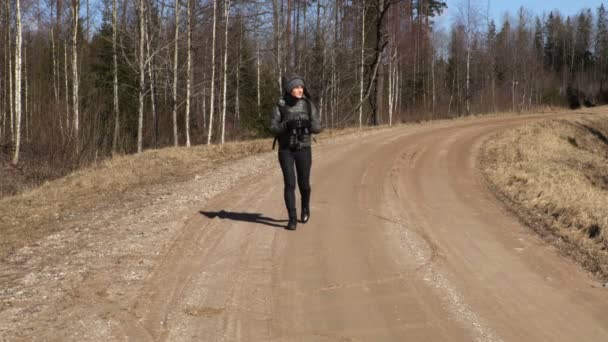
{"x": 549, "y": 49}
{"x": 582, "y": 45}
{"x": 601, "y": 47}
{"x": 538, "y": 39}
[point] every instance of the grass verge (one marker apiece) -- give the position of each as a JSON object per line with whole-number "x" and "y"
{"x": 554, "y": 176}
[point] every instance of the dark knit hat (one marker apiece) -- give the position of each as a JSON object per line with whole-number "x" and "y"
{"x": 292, "y": 82}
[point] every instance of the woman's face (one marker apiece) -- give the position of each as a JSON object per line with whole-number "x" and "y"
{"x": 297, "y": 92}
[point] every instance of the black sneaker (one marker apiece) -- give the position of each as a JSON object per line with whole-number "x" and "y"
{"x": 305, "y": 215}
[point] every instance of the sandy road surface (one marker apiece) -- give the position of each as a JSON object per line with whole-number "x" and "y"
{"x": 405, "y": 244}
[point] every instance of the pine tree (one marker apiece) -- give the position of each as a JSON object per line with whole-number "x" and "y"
{"x": 549, "y": 49}
{"x": 601, "y": 46}
{"x": 582, "y": 45}
{"x": 491, "y": 51}
{"x": 538, "y": 40}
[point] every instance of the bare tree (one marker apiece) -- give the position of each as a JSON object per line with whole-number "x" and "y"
{"x": 226, "y": 17}
{"x": 175, "y": 62}
{"x": 115, "y": 79}
{"x": 18, "y": 35}
{"x": 382, "y": 7}
{"x": 75, "y": 76}
{"x": 26, "y": 110}
{"x": 362, "y": 70}
{"x": 54, "y": 57}
{"x": 277, "y": 39}
{"x": 66, "y": 86}
{"x": 142, "y": 75}
{"x": 469, "y": 17}
{"x": 11, "y": 103}
{"x": 150, "y": 64}
{"x": 212, "y": 96}
{"x": 188, "y": 72}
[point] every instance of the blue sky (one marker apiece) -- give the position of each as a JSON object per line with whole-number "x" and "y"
{"x": 499, "y": 7}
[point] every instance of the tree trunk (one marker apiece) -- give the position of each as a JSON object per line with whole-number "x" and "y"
{"x": 226, "y": 17}
{"x": 54, "y": 57}
{"x": 115, "y": 80}
{"x": 237, "y": 113}
{"x": 142, "y": 76}
{"x": 88, "y": 35}
{"x": 494, "y": 91}
{"x": 513, "y": 94}
{"x": 11, "y": 98}
{"x": 212, "y": 97}
{"x": 297, "y": 38}
{"x": 150, "y": 64}
{"x": 188, "y": 72}
{"x": 67, "y": 89}
{"x": 334, "y": 57}
{"x": 468, "y": 87}
{"x": 175, "y": 62}
{"x": 75, "y": 80}
{"x": 288, "y": 36}
{"x": 277, "y": 41}
{"x": 398, "y": 90}
{"x": 3, "y": 98}
{"x": 26, "y": 110}
{"x": 257, "y": 76}
{"x": 362, "y": 69}
{"x": 17, "y": 83}
{"x": 305, "y": 48}
{"x": 204, "y": 102}
{"x": 391, "y": 82}
{"x": 434, "y": 104}
{"x": 380, "y": 45}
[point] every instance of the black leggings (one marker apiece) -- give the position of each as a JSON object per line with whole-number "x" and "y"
{"x": 303, "y": 161}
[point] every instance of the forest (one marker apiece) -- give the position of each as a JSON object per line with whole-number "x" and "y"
{"x": 82, "y": 80}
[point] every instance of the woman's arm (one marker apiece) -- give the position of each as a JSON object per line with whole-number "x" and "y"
{"x": 315, "y": 121}
{"x": 276, "y": 126}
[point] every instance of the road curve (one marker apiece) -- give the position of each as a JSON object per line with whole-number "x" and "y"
{"x": 405, "y": 243}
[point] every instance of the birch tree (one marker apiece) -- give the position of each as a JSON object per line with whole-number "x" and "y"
{"x": 18, "y": 35}
{"x": 212, "y": 95}
{"x": 226, "y": 16}
{"x": 142, "y": 75}
{"x": 175, "y": 66}
{"x": 362, "y": 70}
{"x": 66, "y": 78}
{"x": 54, "y": 57}
{"x": 188, "y": 72}
{"x": 150, "y": 68}
{"x": 277, "y": 39}
{"x": 11, "y": 103}
{"x": 75, "y": 76}
{"x": 115, "y": 79}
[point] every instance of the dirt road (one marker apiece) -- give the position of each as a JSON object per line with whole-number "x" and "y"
{"x": 405, "y": 243}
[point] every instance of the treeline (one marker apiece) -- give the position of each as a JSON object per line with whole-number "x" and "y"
{"x": 85, "y": 79}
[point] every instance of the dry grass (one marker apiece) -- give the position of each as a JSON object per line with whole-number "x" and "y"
{"x": 554, "y": 174}
{"x": 32, "y": 215}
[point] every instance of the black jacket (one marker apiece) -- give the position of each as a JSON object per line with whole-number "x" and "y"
{"x": 302, "y": 111}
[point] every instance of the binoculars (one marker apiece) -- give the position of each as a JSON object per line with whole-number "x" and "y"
{"x": 297, "y": 128}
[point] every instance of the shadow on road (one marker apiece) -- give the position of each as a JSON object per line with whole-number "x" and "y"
{"x": 244, "y": 217}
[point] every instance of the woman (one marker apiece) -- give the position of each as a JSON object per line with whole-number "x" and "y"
{"x": 294, "y": 120}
